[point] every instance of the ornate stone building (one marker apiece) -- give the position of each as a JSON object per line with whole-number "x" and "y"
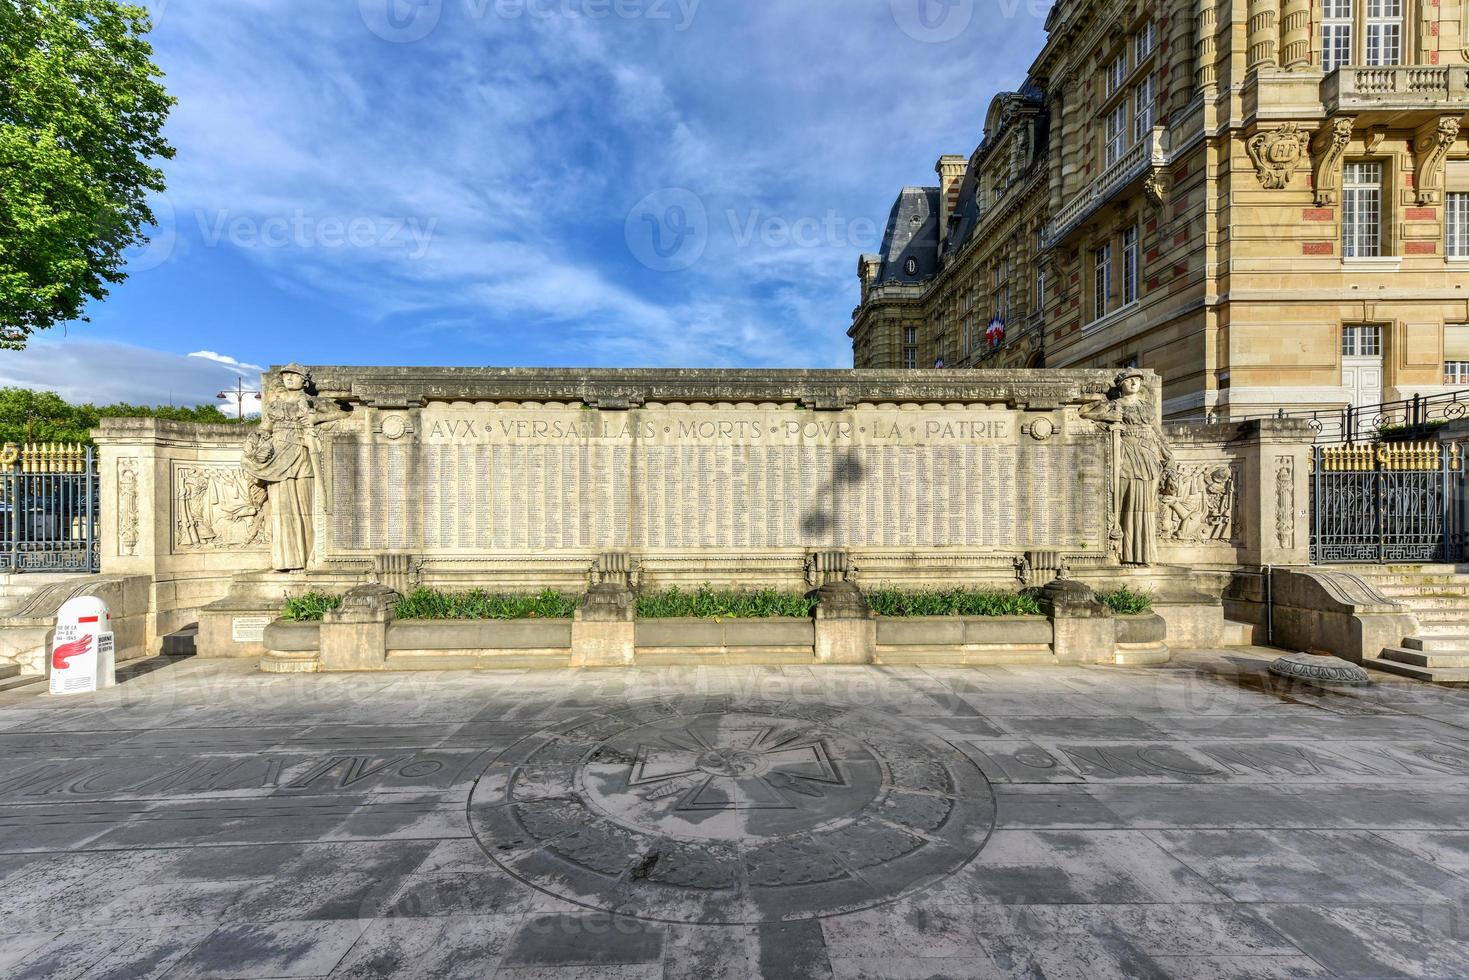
{"x": 1265, "y": 201}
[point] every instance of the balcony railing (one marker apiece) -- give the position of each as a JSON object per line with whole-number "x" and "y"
{"x": 1149, "y": 152}
{"x": 1394, "y": 87}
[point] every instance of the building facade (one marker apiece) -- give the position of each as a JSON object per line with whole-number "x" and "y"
{"x": 1265, "y": 201}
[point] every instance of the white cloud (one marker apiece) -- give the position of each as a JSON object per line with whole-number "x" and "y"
{"x": 103, "y": 372}
{"x": 240, "y": 367}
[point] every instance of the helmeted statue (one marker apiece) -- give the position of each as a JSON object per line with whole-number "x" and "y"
{"x": 1141, "y": 458}
{"x": 284, "y": 456}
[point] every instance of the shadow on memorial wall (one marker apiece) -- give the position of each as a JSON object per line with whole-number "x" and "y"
{"x": 821, "y": 519}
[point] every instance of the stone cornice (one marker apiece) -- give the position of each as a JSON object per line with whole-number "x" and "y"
{"x": 393, "y": 387}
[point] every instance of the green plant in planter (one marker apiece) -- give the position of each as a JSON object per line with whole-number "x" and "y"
{"x": 309, "y": 607}
{"x": 952, "y": 602}
{"x": 425, "y": 603}
{"x": 708, "y": 603}
{"x": 1126, "y": 602}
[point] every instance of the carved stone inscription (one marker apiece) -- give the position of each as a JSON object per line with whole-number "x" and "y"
{"x": 483, "y": 479}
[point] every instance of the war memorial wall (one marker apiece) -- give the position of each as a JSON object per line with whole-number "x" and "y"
{"x": 525, "y": 479}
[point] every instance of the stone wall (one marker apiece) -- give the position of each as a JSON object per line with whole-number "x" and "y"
{"x": 521, "y": 479}
{"x": 1242, "y": 495}
{"x": 177, "y": 509}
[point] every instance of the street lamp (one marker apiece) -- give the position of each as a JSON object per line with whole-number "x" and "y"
{"x": 238, "y": 393}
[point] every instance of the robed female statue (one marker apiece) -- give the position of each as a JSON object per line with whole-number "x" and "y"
{"x": 284, "y": 456}
{"x": 1141, "y": 459}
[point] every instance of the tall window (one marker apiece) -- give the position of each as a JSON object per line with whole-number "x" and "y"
{"x": 1116, "y": 133}
{"x": 1116, "y": 72}
{"x": 1456, "y": 372}
{"x": 1384, "y": 32}
{"x": 910, "y": 347}
{"x": 1101, "y": 279}
{"x": 1456, "y": 225}
{"x": 1143, "y": 101}
{"x": 1146, "y": 39}
{"x": 1129, "y": 265}
{"x": 1361, "y": 211}
{"x": 1336, "y": 34}
{"x": 1361, "y": 340}
{"x": 1040, "y": 292}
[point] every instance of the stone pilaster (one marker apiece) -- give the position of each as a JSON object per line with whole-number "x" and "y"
{"x": 846, "y": 632}
{"x": 602, "y": 633}
{"x": 354, "y": 636}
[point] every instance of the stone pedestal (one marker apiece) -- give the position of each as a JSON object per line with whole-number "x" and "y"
{"x": 1082, "y": 629}
{"x": 354, "y": 636}
{"x": 602, "y": 633}
{"x": 846, "y": 632}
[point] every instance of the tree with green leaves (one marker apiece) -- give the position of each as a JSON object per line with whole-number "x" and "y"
{"x": 81, "y": 120}
{"x": 44, "y": 416}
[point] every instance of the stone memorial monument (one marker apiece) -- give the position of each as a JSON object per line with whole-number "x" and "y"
{"x": 594, "y": 482}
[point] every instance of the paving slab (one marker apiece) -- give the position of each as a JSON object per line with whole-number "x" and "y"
{"x": 1197, "y": 820}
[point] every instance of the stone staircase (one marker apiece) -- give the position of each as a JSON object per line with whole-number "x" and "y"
{"x": 1439, "y": 597}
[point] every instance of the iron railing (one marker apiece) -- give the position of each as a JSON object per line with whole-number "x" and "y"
{"x": 1386, "y": 502}
{"x": 1406, "y": 418}
{"x": 49, "y": 508}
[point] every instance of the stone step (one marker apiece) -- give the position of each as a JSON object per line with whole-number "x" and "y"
{"x": 1377, "y": 573}
{"x": 1437, "y": 642}
{"x": 469, "y": 662}
{"x": 1443, "y": 622}
{"x": 1437, "y": 675}
{"x": 1435, "y": 602}
{"x": 1237, "y": 634}
{"x": 181, "y": 643}
{"x": 1420, "y": 658}
{"x": 1437, "y": 588}
{"x": 8, "y": 670}
{"x": 13, "y": 681}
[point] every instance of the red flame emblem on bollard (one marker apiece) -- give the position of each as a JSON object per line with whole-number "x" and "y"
{"x": 66, "y": 651}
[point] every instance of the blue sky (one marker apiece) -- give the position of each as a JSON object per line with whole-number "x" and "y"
{"x": 551, "y": 182}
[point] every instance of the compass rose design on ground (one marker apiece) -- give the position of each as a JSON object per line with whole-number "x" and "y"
{"x": 735, "y": 769}
{"x": 733, "y": 810}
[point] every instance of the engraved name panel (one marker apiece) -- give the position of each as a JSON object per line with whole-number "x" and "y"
{"x": 487, "y": 479}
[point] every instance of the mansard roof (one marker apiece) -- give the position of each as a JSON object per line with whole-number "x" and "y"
{"x": 912, "y": 233}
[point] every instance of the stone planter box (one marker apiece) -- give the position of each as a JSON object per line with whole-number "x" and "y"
{"x": 414, "y": 644}
{"x": 1141, "y": 639}
{"x": 964, "y": 639}
{"x": 775, "y": 640}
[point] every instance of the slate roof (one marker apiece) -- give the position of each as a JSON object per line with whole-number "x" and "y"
{"x": 912, "y": 233}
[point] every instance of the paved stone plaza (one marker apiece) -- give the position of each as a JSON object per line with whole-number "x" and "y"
{"x": 1202, "y": 819}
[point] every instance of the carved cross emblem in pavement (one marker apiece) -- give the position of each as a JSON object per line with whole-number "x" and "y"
{"x": 735, "y": 769}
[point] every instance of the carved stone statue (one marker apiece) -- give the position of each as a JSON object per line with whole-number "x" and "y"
{"x": 1142, "y": 457}
{"x": 285, "y": 457}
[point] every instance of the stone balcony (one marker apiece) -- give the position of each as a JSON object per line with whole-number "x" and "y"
{"x": 1358, "y": 88}
{"x": 1149, "y": 152}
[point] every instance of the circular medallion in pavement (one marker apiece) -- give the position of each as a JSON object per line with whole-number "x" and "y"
{"x": 712, "y": 810}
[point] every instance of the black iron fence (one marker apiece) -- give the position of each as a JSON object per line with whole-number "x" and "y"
{"x": 1406, "y": 418}
{"x": 1387, "y": 502}
{"x": 49, "y": 508}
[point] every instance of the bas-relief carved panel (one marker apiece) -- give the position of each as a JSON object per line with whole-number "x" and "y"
{"x": 1199, "y": 504}
{"x": 127, "y": 506}
{"x": 215, "y": 508}
{"x": 489, "y": 479}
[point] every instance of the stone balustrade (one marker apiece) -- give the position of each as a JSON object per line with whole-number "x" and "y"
{"x": 1405, "y": 87}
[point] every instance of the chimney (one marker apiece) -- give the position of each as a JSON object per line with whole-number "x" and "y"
{"x": 950, "y": 169}
{"x": 867, "y": 266}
